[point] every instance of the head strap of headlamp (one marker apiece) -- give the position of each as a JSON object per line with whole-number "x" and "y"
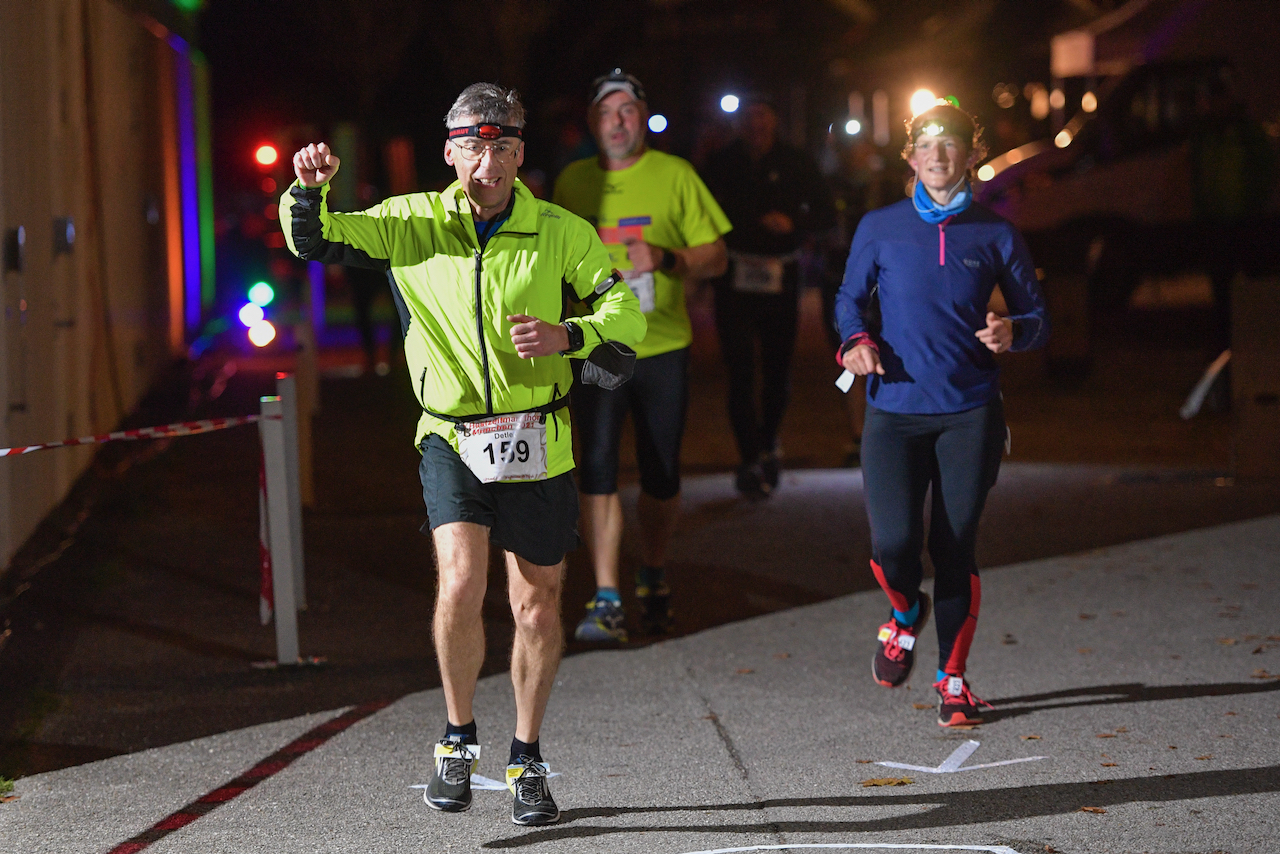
{"x": 486, "y": 131}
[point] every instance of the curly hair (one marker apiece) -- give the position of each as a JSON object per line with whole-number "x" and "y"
{"x": 489, "y": 103}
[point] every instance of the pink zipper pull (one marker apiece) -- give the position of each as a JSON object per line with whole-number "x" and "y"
{"x": 942, "y": 243}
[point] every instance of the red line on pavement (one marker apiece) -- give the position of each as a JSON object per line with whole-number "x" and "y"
{"x": 232, "y": 789}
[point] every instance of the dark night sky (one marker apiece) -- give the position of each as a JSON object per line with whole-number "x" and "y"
{"x": 394, "y": 66}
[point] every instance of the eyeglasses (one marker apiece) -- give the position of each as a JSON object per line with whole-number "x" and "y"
{"x": 472, "y": 149}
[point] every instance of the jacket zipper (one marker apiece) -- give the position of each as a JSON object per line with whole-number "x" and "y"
{"x": 484, "y": 351}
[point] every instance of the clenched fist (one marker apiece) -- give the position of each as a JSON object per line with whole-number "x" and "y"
{"x": 315, "y": 165}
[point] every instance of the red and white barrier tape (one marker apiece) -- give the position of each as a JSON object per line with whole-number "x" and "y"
{"x": 183, "y": 428}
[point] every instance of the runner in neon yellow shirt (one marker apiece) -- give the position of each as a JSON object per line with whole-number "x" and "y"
{"x": 661, "y": 226}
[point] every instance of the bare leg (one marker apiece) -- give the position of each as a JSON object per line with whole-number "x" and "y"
{"x": 601, "y": 523}
{"x": 535, "y": 653}
{"x": 462, "y": 558}
{"x": 658, "y": 520}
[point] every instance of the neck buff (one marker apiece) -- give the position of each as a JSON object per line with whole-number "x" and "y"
{"x": 934, "y": 213}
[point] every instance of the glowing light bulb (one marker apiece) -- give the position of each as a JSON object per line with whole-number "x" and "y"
{"x": 922, "y": 100}
{"x": 986, "y": 173}
{"x": 261, "y": 294}
{"x": 657, "y": 123}
{"x": 262, "y": 333}
{"x": 852, "y": 127}
{"x": 266, "y": 155}
{"x": 729, "y": 103}
{"x": 251, "y": 313}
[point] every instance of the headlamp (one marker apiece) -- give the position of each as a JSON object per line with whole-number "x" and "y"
{"x": 486, "y": 131}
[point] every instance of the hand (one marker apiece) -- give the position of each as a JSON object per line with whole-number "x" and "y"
{"x": 315, "y": 165}
{"x": 777, "y": 222}
{"x": 998, "y": 333}
{"x": 643, "y": 256}
{"x": 862, "y": 360}
{"x": 534, "y": 337}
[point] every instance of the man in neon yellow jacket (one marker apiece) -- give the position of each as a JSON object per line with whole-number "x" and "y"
{"x": 479, "y": 272}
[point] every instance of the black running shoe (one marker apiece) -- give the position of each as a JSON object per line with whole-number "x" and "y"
{"x": 450, "y": 787}
{"x": 956, "y": 704}
{"x": 770, "y": 470}
{"x": 895, "y": 652}
{"x": 655, "y": 608}
{"x": 533, "y": 804}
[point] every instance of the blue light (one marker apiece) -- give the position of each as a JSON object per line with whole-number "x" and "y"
{"x": 657, "y": 123}
{"x": 251, "y": 313}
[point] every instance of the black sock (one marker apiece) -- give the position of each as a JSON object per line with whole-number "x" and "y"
{"x": 467, "y": 731}
{"x": 650, "y": 576}
{"x": 520, "y": 748}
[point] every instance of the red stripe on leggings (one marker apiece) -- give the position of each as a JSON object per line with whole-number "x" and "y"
{"x": 896, "y": 599}
{"x": 960, "y": 649}
{"x": 273, "y": 764}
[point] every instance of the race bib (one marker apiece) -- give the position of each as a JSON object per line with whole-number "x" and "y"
{"x": 642, "y": 286}
{"x": 505, "y": 447}
{"x": 757, "y": 274}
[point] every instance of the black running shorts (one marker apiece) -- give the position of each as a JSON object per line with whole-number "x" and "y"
{"x": 537, "y": 520}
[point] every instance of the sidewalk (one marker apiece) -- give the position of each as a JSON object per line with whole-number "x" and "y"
{"x": 1143, "y": 674}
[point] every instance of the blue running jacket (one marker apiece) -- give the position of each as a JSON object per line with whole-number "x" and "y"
{"x": 934, "y": 283}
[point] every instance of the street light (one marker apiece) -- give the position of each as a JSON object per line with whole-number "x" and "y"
{"x": 729, "y": 103}
{"x": 922, "y": 100}
{"x": 853, "y": 127}
{"x": 266, "y": 154}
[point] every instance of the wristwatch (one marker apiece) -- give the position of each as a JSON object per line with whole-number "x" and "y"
{"x": 669, "y": 260}
{"x": 575, "y": 337}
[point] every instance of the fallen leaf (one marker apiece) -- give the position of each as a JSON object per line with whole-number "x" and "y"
{"x": 1110, "y": 764}
{"x": 1085, "y": 650}
{"x": 1051, "y": 849}
{"x": 1227, "y": 641}
{"x": 1273, "y": 637}
{"x": 711, "y": 717}
{"x": 1173, "y": 747}
{"x": 782, "y": 655}
{"x": 1206, "y": 756}
{"x": 1226, "y": 735}
{"x": 1260, "y": 673}
{"x": 745, "y": 670}
{"x": 1229, "y": 714}
{"x": 1088, "y": 616}
{"x": 1122, "y": 729}
{"x": 1106, "y": 735}
{"x": 963, "y": 727}
{"x": 1029, "y": 737}
{"x": 922, "y": 705}
{"x": 864, "y": 761}
{"x": 1098, "y": 810}
{"x": 1259, "y": 650}
{"x": 888, "y": 781}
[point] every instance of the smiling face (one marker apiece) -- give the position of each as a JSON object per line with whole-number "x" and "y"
{"x": 940, "y": 163}
{"x": 618, "y": 124}
{"x": 488, "y": 179}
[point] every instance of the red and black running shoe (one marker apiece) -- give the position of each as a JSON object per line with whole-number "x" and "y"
{"x": 895, "y": 652}
{"x": 957, "y": 706}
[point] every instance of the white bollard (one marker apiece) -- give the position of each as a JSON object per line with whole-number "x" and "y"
{"x": 282, "y": 568}
{"x": 287, "y": 389}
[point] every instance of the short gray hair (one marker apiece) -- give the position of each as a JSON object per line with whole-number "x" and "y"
{"x": 489, "y": 103}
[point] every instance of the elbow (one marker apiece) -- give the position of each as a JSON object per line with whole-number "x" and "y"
{"x": 718, "y": 263}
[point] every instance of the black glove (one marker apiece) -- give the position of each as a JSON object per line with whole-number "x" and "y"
{"x": 610, "y": 365}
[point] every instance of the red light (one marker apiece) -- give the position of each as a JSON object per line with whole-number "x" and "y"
{"x": 268, "y": 185}
{"x": 266, "y": 155}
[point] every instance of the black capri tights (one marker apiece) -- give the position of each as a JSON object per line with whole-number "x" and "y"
{"x": 958, "y": 455}
{"x": 657, "y": 396}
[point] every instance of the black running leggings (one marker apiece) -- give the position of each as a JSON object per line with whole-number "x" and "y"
{"x": 958, "y": 455}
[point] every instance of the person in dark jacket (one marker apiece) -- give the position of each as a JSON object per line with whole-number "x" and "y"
{"x": 774, "y": 195}
{"x": 935, "y": 418}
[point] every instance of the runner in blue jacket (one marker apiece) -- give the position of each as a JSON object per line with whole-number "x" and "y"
{"x": 930, "y": 263}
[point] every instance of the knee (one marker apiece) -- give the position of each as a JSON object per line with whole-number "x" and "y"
{"x": 537, "y": 613}
{"x": 460, "y": 591}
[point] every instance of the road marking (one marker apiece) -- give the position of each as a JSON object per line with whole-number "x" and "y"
{"x": 952, "y": 763}
{"x": 481, "y": 783}
{"x": 229, "y": 791}
{"x": 873, "y": 846}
